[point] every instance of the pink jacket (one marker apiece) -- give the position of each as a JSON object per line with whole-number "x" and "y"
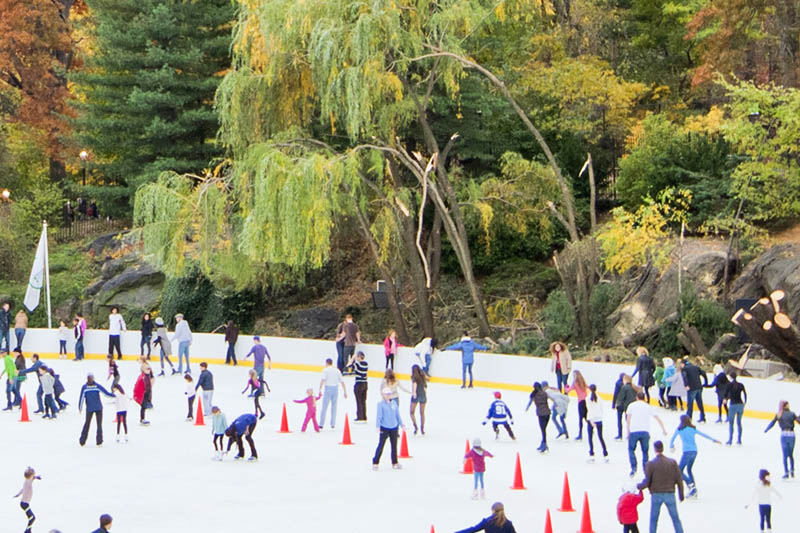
{"x": 390, "y": 347}
{"x": 478, "y": 459}
{"x": 581, "y": 393}
{"x": 310, "y": 401}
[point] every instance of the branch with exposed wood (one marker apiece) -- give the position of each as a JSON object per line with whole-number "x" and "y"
{"x": 768, "y": 324}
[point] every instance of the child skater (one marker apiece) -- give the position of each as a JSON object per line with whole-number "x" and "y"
{"x": 594, "y": 415}
{"x": 122, "y": 410}
{"x": 311, "y": 409}
{"x": 478, "y": 456}
{"x": 190, "y": 394}
{"x": 58, "y": 388}
{"x": 627, "y": 514}
{"x": 27, "y": 493}
{"x": 113, "y": 370}
{"x": 63, "y": 335}
{"x": 256, "y": 386}
{"x": 48, "y": 382}
{"x": 763, "y": 493}
{"x": 500, "y": 415}
{"x": 218, "y": 426}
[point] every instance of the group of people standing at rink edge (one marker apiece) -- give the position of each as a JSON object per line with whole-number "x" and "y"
{"x": 679, "y": 382}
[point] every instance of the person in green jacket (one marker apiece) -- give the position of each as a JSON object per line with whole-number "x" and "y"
{"x": 658, "y": 377}
{"x": 10, "y": 371}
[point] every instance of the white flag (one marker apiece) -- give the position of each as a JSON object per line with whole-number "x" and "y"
{"x": 37, "y": 275}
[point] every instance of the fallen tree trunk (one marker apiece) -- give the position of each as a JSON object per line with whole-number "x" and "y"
{"x": 767, "y": 325}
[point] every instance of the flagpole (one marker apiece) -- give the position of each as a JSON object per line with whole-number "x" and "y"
{"x": 47, "y": 272}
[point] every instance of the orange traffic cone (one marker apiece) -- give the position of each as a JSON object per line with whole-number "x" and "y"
{"x": 467, "y": 468}
{"x": 586, "y": 516}
{"x": 24, "y": 411}
{"x": 198, "y": 418}
{"x": 284, "y": 422}
{"x": 566, "y": 499}
{"x": 346, "y": 436}
{"x": 548, "y": 524}
{"x": 518, "y": 485}
{"x": 432, "y": 530}
{"x": 404, "y": 447}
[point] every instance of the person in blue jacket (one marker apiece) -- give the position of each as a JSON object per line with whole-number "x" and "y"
{"x": 90, "y": 393}
{"x": 687, "y": 432}
{"x": 497, "y": 523}
{"x": 244, "y": 426}
{"x": 34, "y": 369}
{"x": 468, "y": 348}
{"x": 500, "y": 415}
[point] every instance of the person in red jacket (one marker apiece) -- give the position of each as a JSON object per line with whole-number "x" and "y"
{"x": 627, "y": 514}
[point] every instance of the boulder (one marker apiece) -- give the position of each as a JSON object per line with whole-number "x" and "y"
{"x": 138, "y": 287}
{"x": 116, "y": 266}
{"x": 106, "y": 243}
{"x": 776, "y": 268}
{"x": 66, "y": 310}
{"x": 315, "y": 322}
{"x": 724, "y": 347}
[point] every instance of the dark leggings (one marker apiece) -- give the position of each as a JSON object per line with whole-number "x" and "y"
{"x": 190, "y": 401}
{"x": 581, "y": 416}
{"x": 765, "y": 511}
{"x": 113, "y": 342}
{"x": 122, "y": 421}
{"x": 543, "y": 420}
{"x": 590, "y": 431}
{"x": 31, "y": 518}
{"x": 661, "y": 391}
{"x": 646, "y": 391}
{"x": 620, "y": 413}
{"x": 630, "y": 528}
{"x": 221, "y": 438}
{"x": 145, "y": 404}
{"x": 145, "y": 342}
{"x": 720, "y": 405}
{"x": 390, "y": 361}
{"x": 259, "y": 410}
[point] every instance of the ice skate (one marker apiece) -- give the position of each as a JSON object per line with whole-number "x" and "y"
{"x": 397, "y": 466}
{"x": 475, "y": 494}
{"x": 252, "y": 459}
{"x": 590, "y": 460}
{"x": 483, "y": 494}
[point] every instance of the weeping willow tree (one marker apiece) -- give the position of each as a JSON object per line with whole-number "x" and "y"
{"x": 320, "y": 113}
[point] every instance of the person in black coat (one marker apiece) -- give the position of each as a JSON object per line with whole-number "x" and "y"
{"x": 105, "y": 524}
{"x": 646, "y": 368}
{"x": 692, "y": 375}
{"x": 720, "y": 386}
{"x": 497, "y": 523}
{"x": 147, "y": 334}
{"x": 231, "y": 336}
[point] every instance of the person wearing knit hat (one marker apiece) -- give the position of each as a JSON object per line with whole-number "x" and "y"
{"x": 720, "y": 385}
{"x": 500, "y": 415}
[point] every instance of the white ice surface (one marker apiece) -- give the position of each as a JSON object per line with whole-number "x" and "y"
{"x": 164, "y": 478}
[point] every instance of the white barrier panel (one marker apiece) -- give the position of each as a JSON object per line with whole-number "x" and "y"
{"x": 508, "y": 372}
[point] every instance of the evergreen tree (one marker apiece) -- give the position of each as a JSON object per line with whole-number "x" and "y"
{"x": 147, "y": 93}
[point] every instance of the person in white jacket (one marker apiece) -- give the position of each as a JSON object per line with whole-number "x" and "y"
{"x": 48, "y": 383}
{"x": 116, "y": 325}
{"x": 183, "y": 335}
{"x": 121, "y": 404}
{"x": 424, "y": 352}
{"x": 594, "y": 415}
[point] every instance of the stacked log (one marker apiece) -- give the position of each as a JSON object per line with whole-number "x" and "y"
{"x": 768, "y": 325}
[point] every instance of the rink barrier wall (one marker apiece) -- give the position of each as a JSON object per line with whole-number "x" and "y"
{"x": 493, "y": 371}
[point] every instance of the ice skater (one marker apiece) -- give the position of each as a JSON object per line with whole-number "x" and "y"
{"x": 48, "y": 383}
{"x": 638, "y": 419}
{"x": 662, "y": 475}
{"x": 121, "y": 402}
{"x": 763, "y": 496}
{"x": 419, "y": 396}
{"x": 500, "y": 415}
{"x": 676, "y": 392}
{"x": 736, "y": 397}
{"x": 242, "y": 427}
{"x": 687, "y": 432}
{"x": 624, "y": 396}
{"x": 387, "y": 422}
{"x": 467, "y": 347}
{"x": 311, "y": 409}
{"x": 10, "y": 371}
{"x": 594, "y": 415}
{"x": 331, "y": 380}
{"x": 361, "y": 370}
{"x": 260, "y": 354}
{"x": 218, "y": 426}
{"x": 256, "y": 386}
{"x": 627, "y": 514}
{"x": 720, "y": 386}
{"x": 27, "y": 494}
{"x": 581, "y": 390}
{"x": 560, "y": 363}
{"x": 497, "y": 523}
{"x": 786, "y": 420}
{"x": 189, "y": 392}
{"x": 478, "y": 456}
{"x": 164, "y": 345}
{"x": 63, "y": 335}
{"x": 560, "y": 408}
{"x": 390, "y": 348}
{"x": 646, "y": 369}
{"x": 90, "y": 393}
{"x": 143, "y": 393}
{"x": 58, "y": 388}
{"x": 206, "y": 383}
{"x": 692, "y": 375}
{"x": 390, "y": 382}
{"x": 539, "y": 398}
{"x": 105, "y": 524}
{"x": 113, "y": 371}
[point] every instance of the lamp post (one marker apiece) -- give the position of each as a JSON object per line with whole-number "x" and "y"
{"x": 84, "y": 155}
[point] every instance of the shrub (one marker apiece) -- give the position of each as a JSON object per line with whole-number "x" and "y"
{"x": 558, "y": 317}
{"x": 604, "y": 300}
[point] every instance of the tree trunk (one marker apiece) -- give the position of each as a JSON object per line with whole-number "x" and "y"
{"x": 434, "y": 249}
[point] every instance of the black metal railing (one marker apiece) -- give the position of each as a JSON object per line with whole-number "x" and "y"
{"x": 74, "y": 230}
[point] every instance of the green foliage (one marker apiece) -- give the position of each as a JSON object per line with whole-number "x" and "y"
{"x": 148, "y": 86}
{"x": 709, "y": 317}
{"x": 558, "y": 317}
{"x": 604, "y": 300}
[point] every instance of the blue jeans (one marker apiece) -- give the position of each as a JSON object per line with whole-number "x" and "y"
{"x": 692, "y": 396}
{"x": 329, "y": 397}
{"x": 560, "y": 426}
{"x": 787, "y": 445}
{"x": 561, "y": 379}
{"x": 164, "y": 356}
{"x": 478, "y": 476}
{"x": 687, "y": 462}
{"x": 635, "y": 437}
{"x": 79, "y": 349}
{"x": 427, "y": 367}
{"x": 12, "y": 387}
{"x": 5, "y": 335}
{"x": 20, "y": 334}
{"x": 668, "y": 499}
{"x": 466, "y": 367}
{"x": 735, "y": 411}
{"x": 183, "y": 351}
{"x": 259, "y": 371}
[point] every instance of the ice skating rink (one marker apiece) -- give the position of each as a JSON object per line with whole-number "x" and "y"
{"x": 164, "y": 480}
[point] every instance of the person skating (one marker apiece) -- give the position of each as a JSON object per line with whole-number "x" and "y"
{"x": 560, "y": 363}
{"x": 500, "y": 415}
{"x": 5, "y": 327}
{"x": 662, "y": 475}
{"x": 720, "y": 386}
{"x": 478, "y": 457}
{"x": 658, "y": 378}
{"x": 121, "y": 404}
{"x": 539, "y": 398}
{"x": 786, "y": 419}
{"x": 693, "y": 374}
{"x": 419, "y": 396}
{"x": 350, "y": 335}
{"x": 20, "y": 364}
{"x": 687, "y": 432}
{"x": 242, "y": 427}
{"x": 497, "y": 523}
{"x": 105, "y": 524}
{"x": 256, "y": 386}
{"x": 218, "y": 426}
{"x": 736, "y": 397}
{"x": 331, "y": 380}
{"x": 388, "y": 421}
{"x": 90, "y": 393}
{"x": 206, "y": 383}
{"x": 143, "y": 391}
{"x": 183, "y": 335}
{"x": 646, "y": 369}
{"x": 559, "y": 410}
{"x": 147, "y": 334}
{"x": 164, "y": 345}
{"x": 676, "y": 386}
{"x": 468, "y": 347}
{"x": 260, "y": 354}
{"x": 63, "y": 335}
{"x": 190, "y": 393}
{"x": 424, "y": 352}
{"x": 311, "y": 410}
{"x": 36, "y": 364}
{"x": 638, "y": 418}
{"x": 20, "y": 327}
{"x": 627, "y": 512}
{"x": 58, "y": 388}
{"x": 581, "y": 391}
{"x": 231, "y": 336}
{"x": 26, "y": 493}
{"x": 361, "y": 370}
{"x": 390, "y": 382}
{"x": 79, "y": 332}
{"x": 595, "y": 422}
{"x": 624, "y": 396}
{"x": 763, "y": 496}
{"x": 48, "y": 383}
{"x": 390, "y": 347}
{"x": 116, "y": 325}
{"x": 113, "y": 371}
{"x": 10, "y": 371}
